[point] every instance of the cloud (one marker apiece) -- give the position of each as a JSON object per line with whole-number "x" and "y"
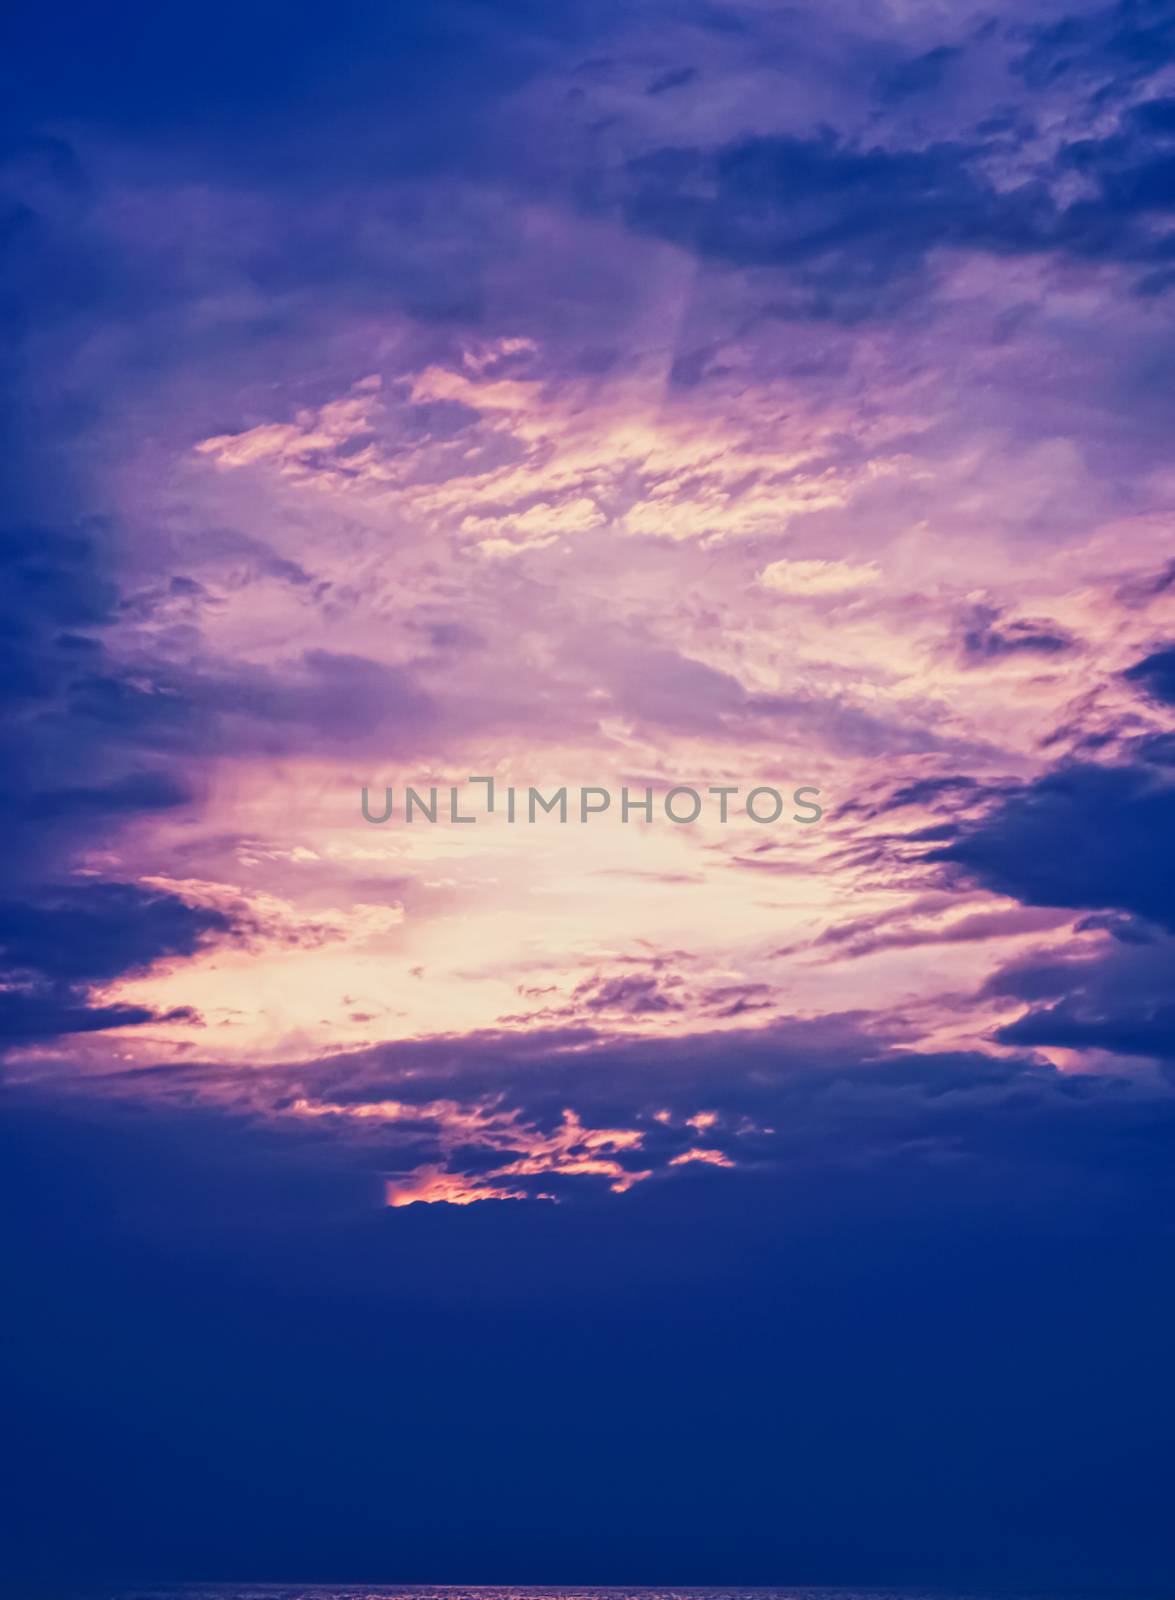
{"x": 1104, "y": 47}
{"x": 1155, "y": 674}
{"x": 1085, "y": 836}
{"x": 92, "y": 931}
{"x": 41, "y": 1012}
{"x": 552, "y": 1111}
{"x": 794, "y": 577}
{"x": 56, "y": 948}
{"x": 1112, "y": 997}
{"x": 988, "y": 638}
{"x": 919, "y": 74}
{"x": 795, "y": 426}
{"x": 851, "y": 226}
{"x": 675, "y": 78}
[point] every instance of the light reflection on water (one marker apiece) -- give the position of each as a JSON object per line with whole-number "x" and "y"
{"x": 296, "y": 1591}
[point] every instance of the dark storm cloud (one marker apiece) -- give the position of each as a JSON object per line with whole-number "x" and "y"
{"x": 96, "y": 930}
{"x": 58, "y": 942}
{"x": 69, "y": 781}
{"x": 988, "y": 638}
{"x": 852, "y": 225}
{"x": 1155, "y": 674}
{"x": 1114, "y": 997}
{"x": 1108, "y": 46}
{"x": 345, "y": 198}
{"x": 918, "y": 75}
{"x": 91, "y": 740}
{"x": 56, "y": 602}
{"x": 319, "y": 695}
{"x": 1086, "y": 836}
{"x": 1070, "y": 1026}
{"x": 675, "y": 78}
{"x": 834, "y": 1094}
{"x": 54, "y": 1012}
{"x": 87, "y": 735}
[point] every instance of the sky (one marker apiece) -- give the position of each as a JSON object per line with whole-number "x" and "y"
{"x": 698, "y": 393}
